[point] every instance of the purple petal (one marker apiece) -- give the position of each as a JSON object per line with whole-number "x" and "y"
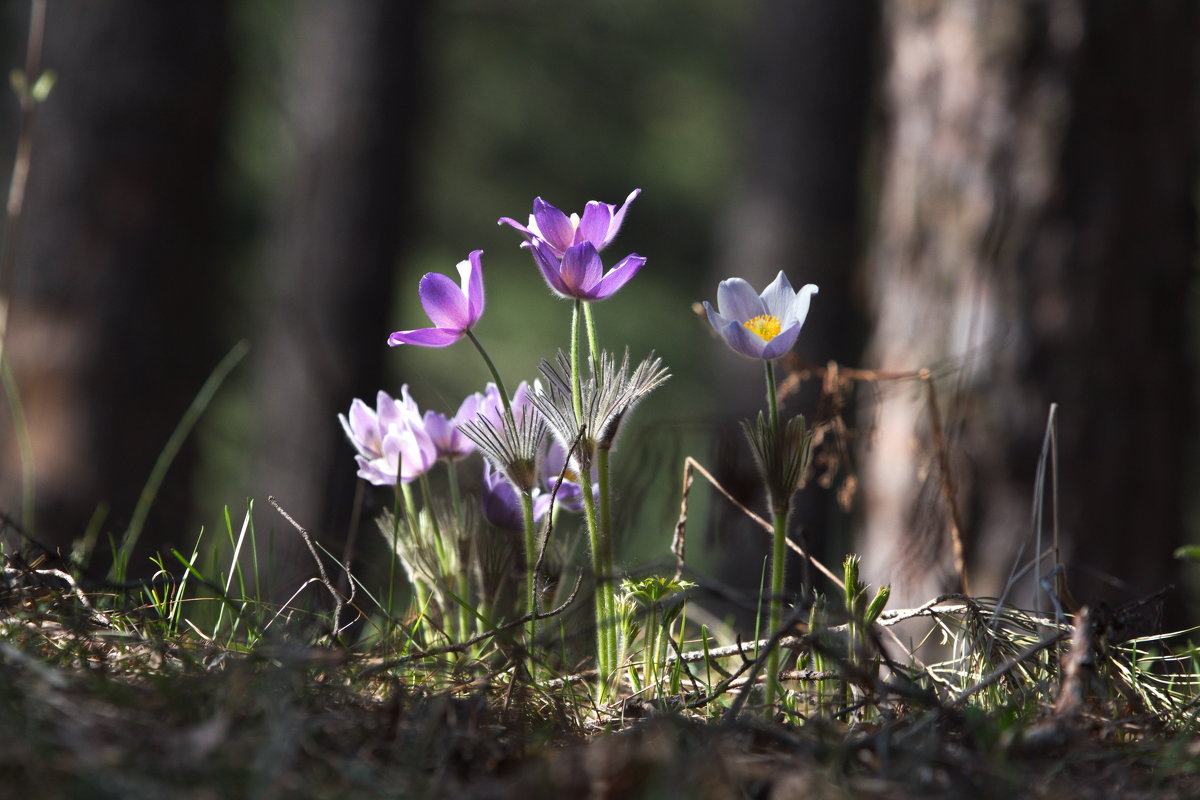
{"x": 467, "y": 409}
{"x": 550, "y": 266}
{"x": 778, "y": 296}
{"x": 528, "y": 234}
{"x": 499, "y": 502}
{"x": 595, "y": 224}
{"x": 737, "y": 300}
{"x": 541, "y": 504}
{"x": 389, "y": 411}
{"x": 799, "y": 308}
{"x": 782, "y": 343}
{"x": 553, "y": 225}
{"x": 370, "y": 471}
{"x": 437, "y": 425}
{"x": 581, "y": 269}
{"x": 617, "y": 277}
{"x": 742, "y": 340}
{"x": 714, "y": 318}
{"x": 471, "y": 272}
{"x": 426, "y": 337}
{"x": 619, "y": 216}
{"x": 444, "y": 302}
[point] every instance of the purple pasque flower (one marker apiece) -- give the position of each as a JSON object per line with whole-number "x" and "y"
{"x": 570, "y": 495}
{"x": 598, "y": 225}
{"x": 501, "y": 505}
{"x": 760, "y": 325}
{"x": 513, "y": 446}
{"x": 391, "y": 439}
{"x": 453, "y": 308}
{"x": 449, "y": 440}
{"x": 579, "y": 273}
{"x": 491, "y": 406}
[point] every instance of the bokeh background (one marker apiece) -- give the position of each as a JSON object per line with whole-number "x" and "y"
{"x": 1002, "y": 192}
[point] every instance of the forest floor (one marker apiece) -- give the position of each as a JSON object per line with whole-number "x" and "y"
{"x": 98, "y": 712}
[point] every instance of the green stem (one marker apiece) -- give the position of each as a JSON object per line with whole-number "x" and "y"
{"x": 778, "y": 561}
{"x": 530, "y": 564}
{"x": 591, "y": 334}
{"x": 455, "y": 494}
{"x": 463, "y": 571}
{"x": 605, "y": 541}
{"x": 576, "y": 388}
{"x": 495, "y": 376}
{"x": 772, "y": 404}
{"x": 420, "y": 592}
{"x": 604, "y": 617}
{"x": 778, "y": 551}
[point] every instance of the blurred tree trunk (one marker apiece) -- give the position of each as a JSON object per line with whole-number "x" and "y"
{"x": 351, "y": 96}
{"x": 108, "y": 336}
{"x": 798, "y": 208}
{"x": 1036, "y": 239}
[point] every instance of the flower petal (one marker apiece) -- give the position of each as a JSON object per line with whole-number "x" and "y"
{"x": 471, "y": 273}
{"x": 526, "y": 232}
{"x": 426, "y": 337}
{"x": 553, "y": 225}
{"x": 444, "y": 302}
{"x": 619, "y": 216}
{"x": 799, "y": 309}
{"x": 779, "y": 296}
{"x": 581, "y": 269}
{"x": 389, "y": 410}
{"x": 550, "y": 265}
{"x": 595, "y": 224}
{"x": 781, "y": 343}
{"x": 370, "y": 471}
{"x": 737, "y": 300}
{"x": 737, "y": 336}
{"x": 617, "y": 277}
{"x": 714, "y": 318}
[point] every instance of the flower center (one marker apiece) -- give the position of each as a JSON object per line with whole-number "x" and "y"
{"x": 766, "y": 326}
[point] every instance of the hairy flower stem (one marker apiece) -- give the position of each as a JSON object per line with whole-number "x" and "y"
{"x": 779, "y": 508}
{"x": 605, "y": 636}
{"x": 772, "y": 403}
{"x": 576, "y": 390}
{"x": 464, "y": 580}
{"x": 526, "y": 498}
{"x": 591, "y": 334}
{"x": 460, "y": 586}
{"x": 410, "y": 515}
{"x": 604, "y": 540}
{"x": 495, "y": 375}
{"x": 778, "y": 560}
{"x": 530, "y": 576}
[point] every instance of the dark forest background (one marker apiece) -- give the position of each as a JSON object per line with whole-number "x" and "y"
{"x": 1003, "y": 192}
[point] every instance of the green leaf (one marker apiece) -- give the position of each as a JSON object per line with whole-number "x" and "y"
{"x": 43, "y": 85}
{"x": 1189, "y": 552}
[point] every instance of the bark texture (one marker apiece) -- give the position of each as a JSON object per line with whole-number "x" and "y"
{"x": 108, "y": 335}
{"x": 351, "y": 98}
{"x": 1035, "y": 243}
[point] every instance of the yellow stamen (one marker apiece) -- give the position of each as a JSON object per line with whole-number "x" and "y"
{"x": 766, "y": 326}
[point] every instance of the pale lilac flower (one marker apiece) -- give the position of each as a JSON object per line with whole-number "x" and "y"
{"x": 570, "y": 495}
{"x": 501, "y": 505}
{"x": 449, "y": 440}
{"x": 579, "y": 272}
{"x": 512, "y": 445}
{"x": 391, "y": 439}
{"x": 760, "y": 325}
{"x": 454, "y": 309}
{"x": 598, "y": 225}
{"x": 491, "y": 406}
